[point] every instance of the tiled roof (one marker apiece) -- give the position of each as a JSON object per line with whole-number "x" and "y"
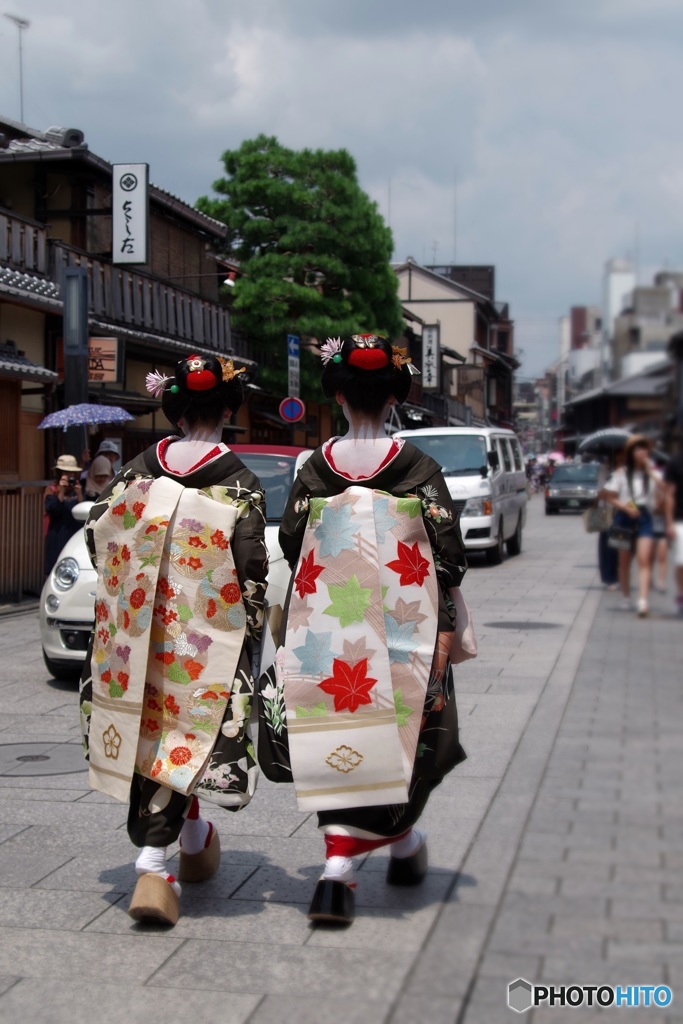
{"x": 15, "y": 364}
{"x": 184, "y": 346}
{"x": 30, "y": 146}
{"x": 34, "y": 290}
{"x": 61, "y": 142}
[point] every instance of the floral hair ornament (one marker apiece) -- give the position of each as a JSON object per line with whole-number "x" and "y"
{"x": 229, "y": 371}
{"x": 156, "y": 383}
{"x": 400, "y": 359}
{"x": 331, "y": 350}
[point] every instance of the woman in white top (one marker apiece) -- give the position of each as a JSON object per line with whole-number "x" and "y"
{"x": 634, "y": 491}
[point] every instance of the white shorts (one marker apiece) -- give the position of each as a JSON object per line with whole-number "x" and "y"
{"x": 678, "y": 545}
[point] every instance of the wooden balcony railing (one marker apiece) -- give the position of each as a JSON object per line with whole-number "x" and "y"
{"x": 23, "y": 244}
{"x": 137, "y": 300}
{"x": 21, "y": 539}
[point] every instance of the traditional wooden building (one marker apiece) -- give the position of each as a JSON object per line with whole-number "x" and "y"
{"x": 56, "y": 213}
{"x": 473, "y": 341}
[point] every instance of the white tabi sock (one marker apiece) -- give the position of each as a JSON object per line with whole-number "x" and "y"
{"x": 339, "y": 868}
{"x": 409, "y": 845}
{"x": 193, "y": 835}
{"x": 152, "y": 860}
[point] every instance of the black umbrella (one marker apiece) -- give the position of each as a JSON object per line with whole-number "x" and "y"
{"x": 611, "y": 440}
{"x": 604, "y": 442}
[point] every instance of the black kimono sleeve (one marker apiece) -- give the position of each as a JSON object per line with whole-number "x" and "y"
{"x": 294, "y": 521}
{"x": 443, "y": 529}
{"x": 251, "y": 562}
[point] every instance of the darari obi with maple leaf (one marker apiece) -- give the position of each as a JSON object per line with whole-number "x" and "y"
{"x": 361, "y": 696}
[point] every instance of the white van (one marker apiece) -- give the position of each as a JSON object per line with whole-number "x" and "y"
{"x": 485, "y": 474}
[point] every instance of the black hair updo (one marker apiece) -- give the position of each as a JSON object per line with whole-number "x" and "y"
{"x": 201, "y": 391}
{"x": 367, "y": 370}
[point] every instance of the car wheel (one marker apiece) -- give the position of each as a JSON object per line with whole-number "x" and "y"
{"x": 551, "y": 511}
{"x": 494, "y": 556}
{"x": 514, "y": 545}
{"x": 66, "y": 670}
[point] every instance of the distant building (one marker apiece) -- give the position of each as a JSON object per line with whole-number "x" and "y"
{"x": 642, "y": 331}
{"x": 474, "y": 337}
{"x": 619, "y": 280}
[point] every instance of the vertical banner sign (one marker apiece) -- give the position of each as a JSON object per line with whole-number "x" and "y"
{"x": 130, "y": 213}
{"x": 293, "y": 365}
{"x": 431, "y": 357}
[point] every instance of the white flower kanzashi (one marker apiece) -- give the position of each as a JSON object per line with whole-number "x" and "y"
{"x": 156, "y": 382}
{"x": 329, "y": 349}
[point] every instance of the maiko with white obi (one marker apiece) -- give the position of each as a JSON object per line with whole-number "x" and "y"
{"x": 358, "y": 708}
{"x": 178, "y": 543}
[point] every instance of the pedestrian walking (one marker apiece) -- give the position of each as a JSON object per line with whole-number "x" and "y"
{"x": 363, "y": 680}
{"x": 99, "y": 475}
{"x": 608, "y": 561}
{"x": 660, "y": 552}
{"x": 673, "y": 477}
{"x": 634, "y": 491}
{"x": 107, "y": 448}
{"x": 59, "y": 500}
{"x": 178, "y": 543}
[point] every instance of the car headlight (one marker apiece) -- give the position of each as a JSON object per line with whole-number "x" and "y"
{"x": 553, "y": 492}
{"x": 65, "y": 573}
{"x": 477, "y": 507}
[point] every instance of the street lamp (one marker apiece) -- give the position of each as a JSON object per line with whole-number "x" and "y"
{"x": 21, "y": 24}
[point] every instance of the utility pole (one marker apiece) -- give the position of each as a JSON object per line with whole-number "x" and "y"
{"x": 21, "y": 24}
{"x": 455, "y": 217}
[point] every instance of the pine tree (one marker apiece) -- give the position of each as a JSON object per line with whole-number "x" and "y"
{"x": 313, "y": 248}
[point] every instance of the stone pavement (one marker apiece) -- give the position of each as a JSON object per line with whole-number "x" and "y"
{"x": 555, "y": 848}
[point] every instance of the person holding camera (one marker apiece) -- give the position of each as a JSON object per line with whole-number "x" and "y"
{"x": 59, "y": 500}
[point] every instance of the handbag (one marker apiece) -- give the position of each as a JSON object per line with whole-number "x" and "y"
{"x": 464, "y": 645}
{"x": 597, "y": 518}
{"x": 621, "y": 537}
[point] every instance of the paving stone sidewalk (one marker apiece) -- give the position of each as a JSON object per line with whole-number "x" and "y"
{"x": 553, "y": 853}
{"x": 594, "y": 893}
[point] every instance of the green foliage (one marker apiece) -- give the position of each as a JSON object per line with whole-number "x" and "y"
{"x": 313, "y": 248}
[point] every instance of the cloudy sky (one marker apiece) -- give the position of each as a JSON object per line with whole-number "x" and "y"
{"x": 538, "y": 135}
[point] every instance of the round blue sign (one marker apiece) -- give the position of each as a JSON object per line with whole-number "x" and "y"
{"x": 292, "y": 410}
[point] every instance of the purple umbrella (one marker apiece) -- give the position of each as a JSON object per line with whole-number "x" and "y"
{"x": 85, "y": 415}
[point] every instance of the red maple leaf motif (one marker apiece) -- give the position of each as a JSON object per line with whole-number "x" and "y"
{"x": 410, "y": 565}
{"x": 307, "y": 575}
{"x": 349, "y": 685}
